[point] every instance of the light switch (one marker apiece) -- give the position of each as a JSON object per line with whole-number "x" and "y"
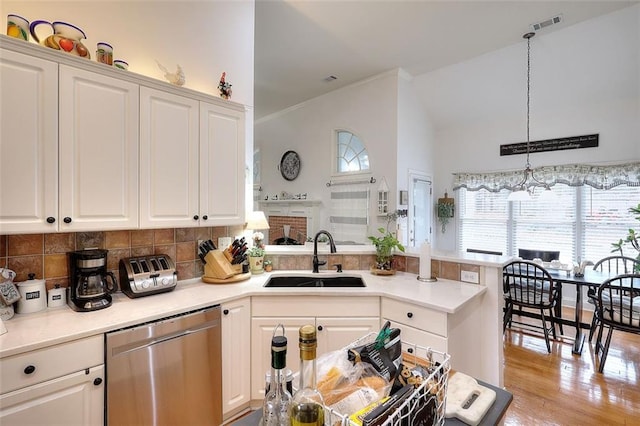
{"x": 469, "y": 277}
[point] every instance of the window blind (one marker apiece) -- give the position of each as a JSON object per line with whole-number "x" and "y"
{"x": 581, "y": 223}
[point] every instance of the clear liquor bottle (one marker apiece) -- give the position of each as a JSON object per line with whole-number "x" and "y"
{"x": 275, "y": 409}
{"x": 307, "y": 406}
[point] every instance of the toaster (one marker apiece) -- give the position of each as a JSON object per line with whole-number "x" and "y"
{"x": 147, "y": 275}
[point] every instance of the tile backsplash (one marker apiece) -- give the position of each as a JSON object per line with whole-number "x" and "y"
{"x": 45, "y": 255}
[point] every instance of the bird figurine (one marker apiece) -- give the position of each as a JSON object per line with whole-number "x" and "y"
{"x": 224, "y": 87}
{"x": 176, "y": 78}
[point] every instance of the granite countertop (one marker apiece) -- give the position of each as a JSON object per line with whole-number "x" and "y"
{"x": 27, "y": 332}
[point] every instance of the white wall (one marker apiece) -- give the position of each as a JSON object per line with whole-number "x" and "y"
{"x": 367, "y": 109}
{"x": 584, "y": 79}
{"x": 204, "y": 37}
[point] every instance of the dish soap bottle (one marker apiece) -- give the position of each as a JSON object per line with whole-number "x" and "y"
{"x": 307, "y": 406}
{"x": 275, "y": 409}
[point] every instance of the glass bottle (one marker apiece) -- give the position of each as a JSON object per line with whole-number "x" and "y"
{"x": 307, "y": 405}
{"x": 275, "y": 409}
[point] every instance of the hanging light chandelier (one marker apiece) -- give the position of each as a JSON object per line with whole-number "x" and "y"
{"x": 523, "y": 191}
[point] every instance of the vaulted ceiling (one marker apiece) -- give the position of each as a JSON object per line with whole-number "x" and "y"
{"x": 298, "y": 44}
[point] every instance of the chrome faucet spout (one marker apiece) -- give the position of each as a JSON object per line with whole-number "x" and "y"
{"x": 332, "y": 248}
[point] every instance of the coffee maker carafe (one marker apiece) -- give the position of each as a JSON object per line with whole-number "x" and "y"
{"x": 89, "y": 287}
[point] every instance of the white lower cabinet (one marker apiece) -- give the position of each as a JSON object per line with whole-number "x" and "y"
{"x": 338, "y": 321}
{"x": 418, "y": 325}
{"x": 236, "y": 336}
{"x": 62, "y": 384}
{"x": 454, "y": 333}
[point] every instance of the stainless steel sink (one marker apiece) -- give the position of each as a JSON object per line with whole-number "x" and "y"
{"x": 315, "y": 280}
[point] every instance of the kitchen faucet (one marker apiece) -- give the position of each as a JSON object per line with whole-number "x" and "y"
{"x": 317, "y": 262}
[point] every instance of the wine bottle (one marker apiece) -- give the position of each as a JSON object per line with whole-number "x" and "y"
{"x": 307, "y": 405}
{"x": 275, "y": 408}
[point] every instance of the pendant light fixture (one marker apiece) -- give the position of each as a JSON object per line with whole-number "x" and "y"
{"x": 523, "y": 191}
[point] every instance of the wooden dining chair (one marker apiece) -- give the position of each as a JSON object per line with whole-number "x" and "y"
{"x": 613, "y": 265}
{"x": 544, "y": 255}
{"x": 618, "y": 308}
{"x": 528, "y": 285}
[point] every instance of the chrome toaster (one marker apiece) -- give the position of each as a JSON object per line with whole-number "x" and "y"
{"x": 147, "y": 275}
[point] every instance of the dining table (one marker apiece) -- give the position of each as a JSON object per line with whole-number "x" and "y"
{"x": 590, "y": 278}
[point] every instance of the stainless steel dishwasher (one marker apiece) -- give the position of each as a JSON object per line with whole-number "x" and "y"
{"x": 166, "y": 372}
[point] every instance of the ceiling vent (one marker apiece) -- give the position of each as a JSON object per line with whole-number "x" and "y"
{"x": 547, "y": 23}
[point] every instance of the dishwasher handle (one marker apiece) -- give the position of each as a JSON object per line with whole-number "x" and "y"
{"x": 152, "y": 341}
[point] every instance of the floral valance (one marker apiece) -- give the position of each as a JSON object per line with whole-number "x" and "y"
{"x": 600, "y": 177}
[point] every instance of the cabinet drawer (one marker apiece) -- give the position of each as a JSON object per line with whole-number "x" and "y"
{"x": 49, "y": 363}
{"x": 416, "y": 316}
{"x": 315, "y": 306}
{"x": 421, "y": 338}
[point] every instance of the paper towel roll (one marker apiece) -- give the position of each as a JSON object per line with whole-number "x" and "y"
{"x": 425, "y": 260}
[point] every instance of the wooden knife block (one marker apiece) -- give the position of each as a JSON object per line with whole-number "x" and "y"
{"x": 218, "y": 266}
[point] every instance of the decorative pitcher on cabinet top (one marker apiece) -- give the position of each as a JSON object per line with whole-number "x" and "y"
{"x": 65, "y": 37}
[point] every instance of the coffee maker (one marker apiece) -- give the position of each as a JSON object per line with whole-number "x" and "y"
{"x": 89, "y": 288}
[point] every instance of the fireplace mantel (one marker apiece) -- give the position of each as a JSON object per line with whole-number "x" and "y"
{"x": 308, "y": 209}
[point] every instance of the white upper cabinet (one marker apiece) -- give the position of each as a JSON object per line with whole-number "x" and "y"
{"x": 88, "y": 147}
{"x": 69, "y": 148}
{"x": 169, "y": 143}
{"x": 221, "y": 165}
{"x": 28, "y": 143}
{"x": 98, "y": 151}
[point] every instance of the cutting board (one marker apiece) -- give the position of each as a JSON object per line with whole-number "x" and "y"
{"x": 467, "y": 400}
{"x": 234, "y": 279}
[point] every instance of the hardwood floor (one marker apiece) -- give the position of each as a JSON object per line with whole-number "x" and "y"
{"x": 565, "y": 389}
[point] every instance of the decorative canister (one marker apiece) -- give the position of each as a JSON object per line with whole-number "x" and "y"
{"x": 33, "y": 294}
{"x": 57, "y": 296}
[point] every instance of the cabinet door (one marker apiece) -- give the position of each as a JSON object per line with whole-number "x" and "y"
{"x": 236, "y": 359}
{"x": 261, "y": 333}
{"x": 74, "y": 399}
{"x": 28, "y": 144}
{"x": 98, "y": 151}
{"x": 336, "y": 333}
{"x": 222, "y": 183}
{"x": 168, "y": 160}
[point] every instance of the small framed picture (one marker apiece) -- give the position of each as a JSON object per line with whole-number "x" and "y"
{"x": 404, "y": 198}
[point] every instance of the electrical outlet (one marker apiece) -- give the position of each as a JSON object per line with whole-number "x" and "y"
{"x": 469, "y": 277}
{"x": 200, "y": 242}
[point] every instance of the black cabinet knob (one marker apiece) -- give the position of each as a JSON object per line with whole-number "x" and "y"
{"x": 409, "y": 314}
{"x": 51, "y": 219}
{"x": 319, "y": 328}
{"x": 97, "y": 381}
{"x": 410, "y": 350}
{"x": 67, "y": 219}
{"x": 29, "y": 369}
{"x": 226, "y": 312}
{"x": 196, "y": 217}
{"x": 205, "y": 217}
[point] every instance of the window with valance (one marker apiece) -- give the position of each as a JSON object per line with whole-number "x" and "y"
{"x": 591, "y": 210}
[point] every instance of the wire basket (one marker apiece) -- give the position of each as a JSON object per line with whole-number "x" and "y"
{"x": 430, "y": 395}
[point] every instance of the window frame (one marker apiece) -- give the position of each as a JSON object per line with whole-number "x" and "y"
{"x": 334, "y": 155}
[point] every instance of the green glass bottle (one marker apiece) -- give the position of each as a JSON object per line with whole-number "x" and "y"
{"x": 307, "y": 405}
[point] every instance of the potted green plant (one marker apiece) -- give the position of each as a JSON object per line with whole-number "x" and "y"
{"x": 256, "y": 257}
{"x": 385, "y": 244}
{"x": 268, "y": 265}
{"x": 631, "y": 239}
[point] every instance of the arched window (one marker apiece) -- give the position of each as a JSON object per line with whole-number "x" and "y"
{"x": 352, "y": 156}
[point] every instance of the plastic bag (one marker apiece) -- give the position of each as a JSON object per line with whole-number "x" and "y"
{"x": 348, "y": 387}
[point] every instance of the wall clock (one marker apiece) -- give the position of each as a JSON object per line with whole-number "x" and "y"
{"x": 290, "y": 165}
